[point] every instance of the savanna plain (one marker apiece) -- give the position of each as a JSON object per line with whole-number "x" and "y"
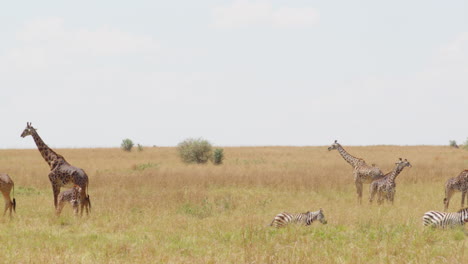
{"x": 149, "y": 207}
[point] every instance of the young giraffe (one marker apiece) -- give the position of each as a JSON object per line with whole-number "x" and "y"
{"x": 72, "y": 196}
{"x": 386, "y": 187}
{"x": 456, "y": 184}
{"x": 61, "y": 172}
{"x": 6, "y": 184}
{"x": 362, "y": 172}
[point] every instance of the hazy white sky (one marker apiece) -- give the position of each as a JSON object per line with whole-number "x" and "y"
{"x": 235, "y": 72}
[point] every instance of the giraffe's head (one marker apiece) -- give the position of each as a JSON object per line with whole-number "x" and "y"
{"x": 321, "y": 217}
{"x": 403, "y": 163}
{"x": 334, "y": 145}
{"x": 28, "y": 130}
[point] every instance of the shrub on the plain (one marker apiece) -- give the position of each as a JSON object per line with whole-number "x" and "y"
{"x": 127, "y": 144}
{"x": 218, "y": 156}
{"x": 194, "y": 150}
{"x": 453, "y": 144}
{"x": 139, "y": 147}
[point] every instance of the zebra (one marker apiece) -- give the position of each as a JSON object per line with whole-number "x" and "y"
{"x": 307, "y": 218}
{"x": 444, "y": 220}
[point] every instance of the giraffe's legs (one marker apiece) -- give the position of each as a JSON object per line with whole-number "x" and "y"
{"x": 82, "y": 206}
{"x": 56, "y": 190}
{"x": 359, "y": 191}
{"x": 391, "y": 196}
{"x": 380, "y": 197}
{"x": 59, "y": 208}
{"x": 7, "y": 206}
{"x": 463, "y": 199}
{"x": 373, "y": 190}
{"x": 75, "y": 205}
{"x": 448, "y": 195}
{"x": 83, "y": 201}
{"x": 88, "y": 204}
{"x": 8, "y": 203}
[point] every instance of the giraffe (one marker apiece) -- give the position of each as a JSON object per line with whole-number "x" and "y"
{"x": 73, "y": 196}
{"x": 6, "y": 184}
{"x": 61, "y": 172}
{"x": 456, "y": 184}
{"x": 386, "y": 185}
{"x": 362, "y": 172}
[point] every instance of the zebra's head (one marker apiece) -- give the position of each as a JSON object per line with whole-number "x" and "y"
{"x": 321, "y": 217}
{"x": 334, "y": 145}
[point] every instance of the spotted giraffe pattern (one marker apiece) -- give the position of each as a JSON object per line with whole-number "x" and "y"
{"x": 456, "y": 184}
{"x": 72, "y": 196}
{"x": 362, "y": 172}
{"x": 386, "y": 187}
{"x": 61, "y": 173}
{"x": 6, "y": 185}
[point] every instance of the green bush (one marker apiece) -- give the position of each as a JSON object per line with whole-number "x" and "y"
{"x": 139, "y": 147}
{"x": 194, "y": 150}
{"x": 218, "y": 156}
{"x": 127, "y": 144}
{"x": 453, "y": 144}
{"x": 465, "y": 145}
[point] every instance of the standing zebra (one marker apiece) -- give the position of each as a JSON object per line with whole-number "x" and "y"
{"x": 444, "y": 220}
{"x": 308, "y": 218}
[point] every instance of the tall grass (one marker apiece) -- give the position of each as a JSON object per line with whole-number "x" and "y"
{"x": 150, "y": 207}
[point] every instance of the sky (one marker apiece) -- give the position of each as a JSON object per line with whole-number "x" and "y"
{"x": 236, "y": 72}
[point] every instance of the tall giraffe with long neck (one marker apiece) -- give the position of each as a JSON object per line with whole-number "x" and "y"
{"x": 456, "y": 184}
{"x": 362, "y": 172}
{"x": 61, "y": 174}
{"x": 386, "y": 187}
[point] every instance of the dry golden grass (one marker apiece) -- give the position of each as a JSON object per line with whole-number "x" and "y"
{"x": 148, "y": 207}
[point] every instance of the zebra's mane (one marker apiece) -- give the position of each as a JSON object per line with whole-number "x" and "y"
{"x": 463, "y": 209}
{"x": 313, "y": 214}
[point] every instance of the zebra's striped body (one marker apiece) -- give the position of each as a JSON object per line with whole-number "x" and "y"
{"x": 308, "y": 218}
{"x": 444, "y": 220}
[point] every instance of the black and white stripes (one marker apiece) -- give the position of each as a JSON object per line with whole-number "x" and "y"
{"x": 445, "y": 220}
{"x": 284, "y": 218}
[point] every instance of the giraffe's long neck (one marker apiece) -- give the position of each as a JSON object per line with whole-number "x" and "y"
{"x": 394, "y": 173}
{"x": 348, "y": 157}
{"x": 47, "y": 153}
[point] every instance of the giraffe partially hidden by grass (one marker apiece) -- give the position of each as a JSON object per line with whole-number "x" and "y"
{"x": 456, "y": 184}
{"x": 61, "y": 174}
{"x": 362, "y": 172}
{"x": 72, "y": 196}
{"x": 6, "y": 184}
{"x": 386, "y": 187}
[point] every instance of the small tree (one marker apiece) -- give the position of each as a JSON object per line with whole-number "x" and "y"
{"x": 218, "y": 156}
{"x": 127, "y": 144}
{"x": 139, "y": 147}
{"x": 194, "y": 150}
{"x": 453, "y": 144}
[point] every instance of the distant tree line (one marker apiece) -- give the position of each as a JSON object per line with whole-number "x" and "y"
{"x": 191, "y": 150}
{"x": 453, "y": 144}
